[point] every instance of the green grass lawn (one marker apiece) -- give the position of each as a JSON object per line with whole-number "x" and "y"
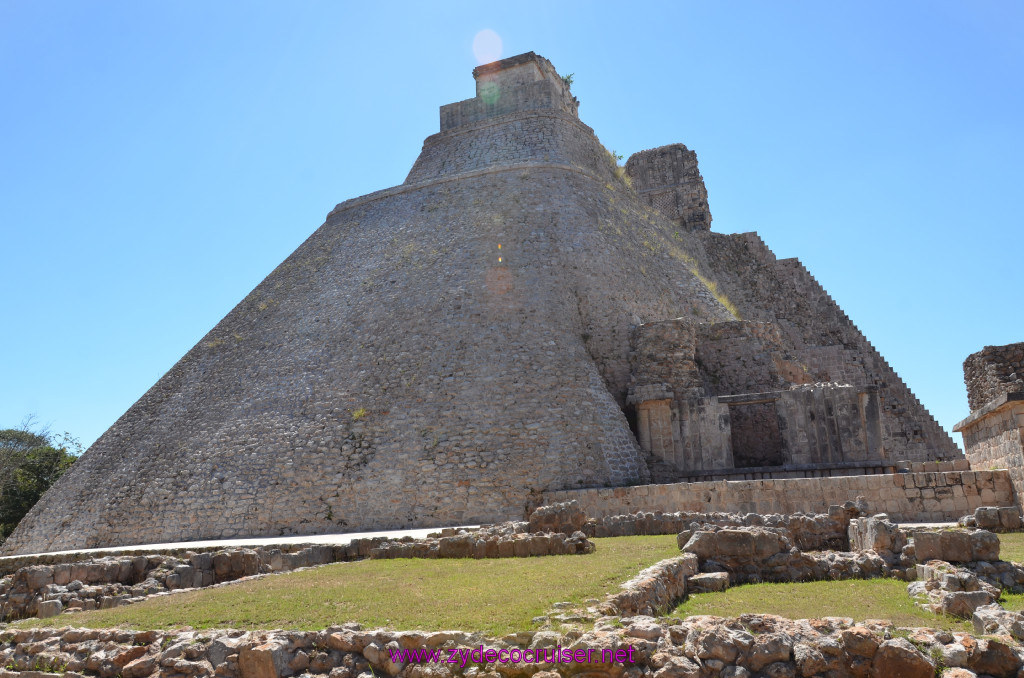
{"x": 1011, "y": 547}
{"x": 857, "y": 598}
{"x": 496, "y": 596}
{"x": 499, "y": 596}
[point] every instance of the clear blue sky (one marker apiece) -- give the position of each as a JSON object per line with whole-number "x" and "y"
{"x": 159, "y": 159}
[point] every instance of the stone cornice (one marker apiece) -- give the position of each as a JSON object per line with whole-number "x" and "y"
{"x": 991, "y": 407}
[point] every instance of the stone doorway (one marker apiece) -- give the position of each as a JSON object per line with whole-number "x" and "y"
{"x": 756, "y": 436}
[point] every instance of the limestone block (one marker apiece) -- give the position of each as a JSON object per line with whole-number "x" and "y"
{"x": 734, "y": 543}
{"x": 62, "y": 574}
{"x": 992, "y": 619}
{"x": 460, "y": 546}
{"x": 143, "y": 666}
{"x": 991, "y": 657}
{"x": 956, "y": 546}
{"x": 1009, "y": 518}
{"x": 962, "y": 604}
{"x": 708, "y": 582}
{"x": 927, "y": 546}
{"x": 222, "y": 564}
{"x": 201, "y": 561}
{"x": 49, "y": 608}
{"x": 984, "y": 545}
{"x": 898, "y": 657}
{"x": 689, "y": 564}
{"x": 986, "y": 517}
{"x": 250, "y": 562}
{"x": 36, "y": 577}
{"x": 703, "y": 544}
{"x": 269, "y": 660}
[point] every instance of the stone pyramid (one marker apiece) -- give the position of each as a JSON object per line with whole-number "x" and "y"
{"x": 521, "y": 315}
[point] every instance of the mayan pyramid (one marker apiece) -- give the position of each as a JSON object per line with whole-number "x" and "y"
{"x": 520, "y": 315}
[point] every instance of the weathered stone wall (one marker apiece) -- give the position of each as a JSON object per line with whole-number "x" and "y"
{"x": 668, "y": 179}
{"x": 512, "y": 140}
{"x": 523, "y": 82}
{"x": 809, "y": 532}
{"x": 994, "y": 431}
{"x": 994, "y": 437}
{"x": 992, "y": 372}
{"x": 655, "y": 590}
{"x": 824, "y": 341}
{"x": 904, "y": 496}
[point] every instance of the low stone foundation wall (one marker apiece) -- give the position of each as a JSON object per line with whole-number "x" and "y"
{"x": 814, "y": 532}
{"x": 44, "y": 586}
{"x": 655, "y": 591}
{"x": 757, "y": 554}
{"x": 699, "y": 647}
{"x": 994, "y": 436}
{"x": 46, "y": 590}
{"x": 905, "y": 497}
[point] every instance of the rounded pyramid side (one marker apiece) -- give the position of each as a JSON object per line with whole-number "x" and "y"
{"x": 437, "y": 356}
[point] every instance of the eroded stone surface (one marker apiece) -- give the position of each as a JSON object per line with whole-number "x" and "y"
{"x": 698, "y": 647}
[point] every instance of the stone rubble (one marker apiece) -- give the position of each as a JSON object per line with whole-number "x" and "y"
{"x": 717, "y": 550}
{"x": 752, "y": 645}
{"x": 566, "y": 517}
{"x": 758, "y": 554}
{"x": 810, "y": 532}
{"x": 945, "y": 589}
{"x": 994, "y": 518}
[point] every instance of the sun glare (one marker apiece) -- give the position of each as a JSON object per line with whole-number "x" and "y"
{"x": 487, "y": 46}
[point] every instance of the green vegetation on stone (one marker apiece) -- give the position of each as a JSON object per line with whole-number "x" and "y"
{"x": 496, "y": 596}
{"x": 860, "y": 599}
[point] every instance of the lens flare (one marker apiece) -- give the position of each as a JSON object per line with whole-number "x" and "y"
{"x": 487, "y": 46}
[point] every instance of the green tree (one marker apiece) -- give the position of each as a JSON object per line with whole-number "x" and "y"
{"x": 30, "y": 462}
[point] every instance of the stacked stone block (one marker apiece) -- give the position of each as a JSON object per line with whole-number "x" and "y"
{"x": 994, "y": 431}
{"x": 668, "y": 179}
{"x": 930, "y": 496}
{"x": 992, "y": 372}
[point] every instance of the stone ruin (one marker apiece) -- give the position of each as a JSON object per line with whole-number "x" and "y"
{"x": 718, "y": 550}
{"x": 520, "y": 318}
{"x": 994, "y": 431}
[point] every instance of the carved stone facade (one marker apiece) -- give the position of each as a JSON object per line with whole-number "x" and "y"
{"x": 713, "y": 397}
{"x": 667, "y": 179}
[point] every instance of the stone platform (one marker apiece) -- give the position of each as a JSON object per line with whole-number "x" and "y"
{"x": 906, "y": 497}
